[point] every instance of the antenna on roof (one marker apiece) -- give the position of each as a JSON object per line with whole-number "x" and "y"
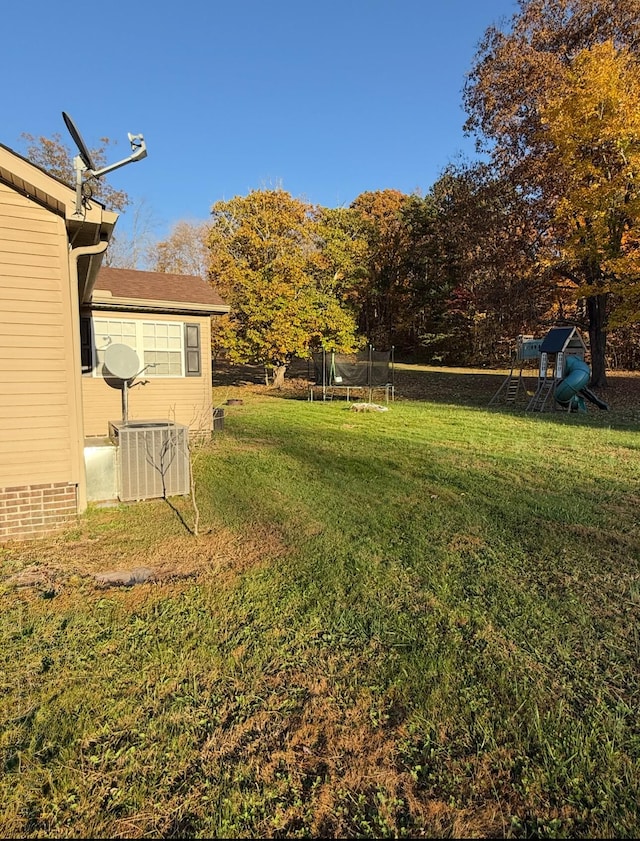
{"x": 82, "y": 162}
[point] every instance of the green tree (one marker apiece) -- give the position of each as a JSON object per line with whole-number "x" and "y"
{"x": 267, "y": 261}
{"x": 514, "y": 77}
{"x": 341, "y": 238}
{"x": 475, "y": 251}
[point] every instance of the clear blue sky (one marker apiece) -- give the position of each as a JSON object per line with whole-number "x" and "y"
{"x": 326, "y": 99}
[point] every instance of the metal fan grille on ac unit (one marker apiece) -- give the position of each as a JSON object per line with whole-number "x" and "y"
{"x": 153, "y": 460}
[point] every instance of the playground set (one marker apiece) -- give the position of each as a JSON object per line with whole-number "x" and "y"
{"x": 563, "y": 374}
{"x": 367, "y": 370}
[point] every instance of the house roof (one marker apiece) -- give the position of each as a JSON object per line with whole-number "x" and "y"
{"x": 131, "y": 289}
{"x": 92, "y": 226}
{"x": 558, "y": 338}
{"x": 36, "y": 183}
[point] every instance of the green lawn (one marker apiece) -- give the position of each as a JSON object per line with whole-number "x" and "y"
{"x": 416, "y": 622}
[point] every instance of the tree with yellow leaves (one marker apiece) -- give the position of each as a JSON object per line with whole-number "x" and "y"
{"x": 523, "y": 80}
{"x": 592, "y": 121}
{"x": 270, "y": 262}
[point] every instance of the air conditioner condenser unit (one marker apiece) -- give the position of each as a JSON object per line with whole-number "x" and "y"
{"x": 153, "y": 459}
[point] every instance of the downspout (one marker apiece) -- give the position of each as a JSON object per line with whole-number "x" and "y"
{"x": 74, "y": 256}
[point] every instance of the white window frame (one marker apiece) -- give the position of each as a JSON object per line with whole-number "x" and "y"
{"x": 138, "y": 343}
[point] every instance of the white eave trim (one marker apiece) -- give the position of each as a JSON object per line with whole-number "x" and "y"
{"x": 105, "y": 301}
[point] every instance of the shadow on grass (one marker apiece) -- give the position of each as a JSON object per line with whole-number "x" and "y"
{"x": 179, "y": 515}
{"x": 458, "y": 387}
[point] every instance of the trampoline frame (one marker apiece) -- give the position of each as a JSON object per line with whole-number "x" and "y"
{"x": 329, "y": 385}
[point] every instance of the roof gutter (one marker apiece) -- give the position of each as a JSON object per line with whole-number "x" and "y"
{"x": 153, "y": 305}
{"x": 74, "y": 255}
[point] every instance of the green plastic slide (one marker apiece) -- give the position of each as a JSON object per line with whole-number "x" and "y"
{"x": 574, "y": 383}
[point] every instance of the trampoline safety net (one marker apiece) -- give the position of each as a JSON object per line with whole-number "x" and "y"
{"x": 366, "y": 369}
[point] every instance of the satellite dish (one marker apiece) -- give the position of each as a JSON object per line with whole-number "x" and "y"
{"x": 77, "y": 139}
{"x": 84, "y": 165}
{"x": 122, "y": 361}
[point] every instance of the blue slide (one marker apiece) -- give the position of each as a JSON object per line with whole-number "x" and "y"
{"x": 574, "y": 384}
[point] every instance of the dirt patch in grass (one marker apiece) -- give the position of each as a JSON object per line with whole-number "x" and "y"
{"x": 55, "y": 565}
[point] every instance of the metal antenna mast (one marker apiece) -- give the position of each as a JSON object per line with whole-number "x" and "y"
{"x": 83, "y": 164}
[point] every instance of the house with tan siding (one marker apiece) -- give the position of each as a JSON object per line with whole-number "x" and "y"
{"x": 166, "y": 319}
{"x": 58, "y": 311}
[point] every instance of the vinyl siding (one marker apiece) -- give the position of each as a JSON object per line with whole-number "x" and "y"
{"x": 38, "y": 412}
{"x": 186, "y": 400}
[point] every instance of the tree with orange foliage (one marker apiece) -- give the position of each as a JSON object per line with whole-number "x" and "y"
{"x": 269, "y": 261}
{"x": 185, "y": 250}
{"x": 592, "y": 120}
{"x": 385, "y": 296}
{"x": 519, "y": 77}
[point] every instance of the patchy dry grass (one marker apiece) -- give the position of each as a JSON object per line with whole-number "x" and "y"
{"x": 416, "y": 623}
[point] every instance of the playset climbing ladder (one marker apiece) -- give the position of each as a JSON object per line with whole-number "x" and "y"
{"x": 513, "y": 386}
{"x": 545, "y": 389}
{"x": 562, "y": 373}
{"x": 559, "y": 343}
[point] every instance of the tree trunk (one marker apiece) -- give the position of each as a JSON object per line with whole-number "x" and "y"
{"x": 597, "y": 312}
{"x": 278, "y": 375}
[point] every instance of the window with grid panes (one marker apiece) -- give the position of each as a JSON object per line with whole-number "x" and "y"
{"x": 108, "y": 331}
{"x": 162, "y": 348}
{"x": 168, "y": 348}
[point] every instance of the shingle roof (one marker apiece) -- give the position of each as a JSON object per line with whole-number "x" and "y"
{"x": 557, "y": 338}
{"x": 173, "y": 290}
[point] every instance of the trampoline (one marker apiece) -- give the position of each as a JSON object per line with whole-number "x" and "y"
{"x": 367, "y": 370}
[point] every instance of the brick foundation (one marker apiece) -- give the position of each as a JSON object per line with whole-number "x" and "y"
{"x": 34, "y": 511}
